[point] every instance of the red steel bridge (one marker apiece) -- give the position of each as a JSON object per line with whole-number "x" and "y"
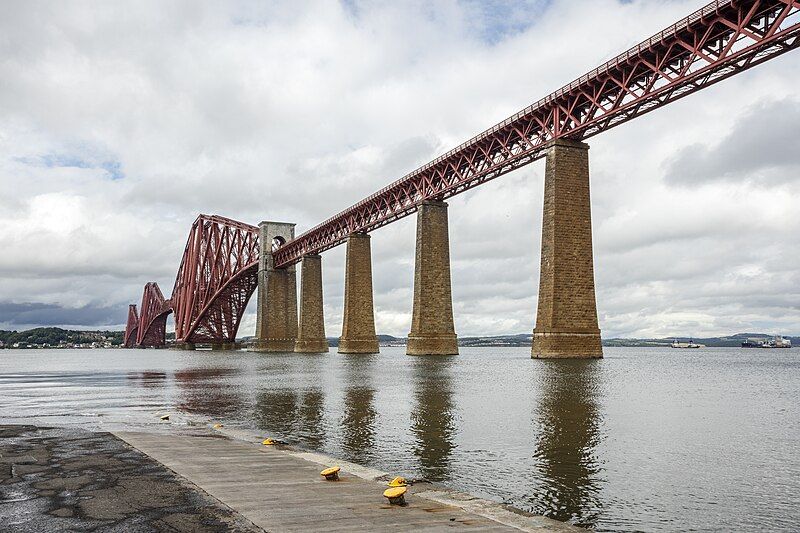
{"x": 217, "y": 277}
{"x": 218, "y": 272}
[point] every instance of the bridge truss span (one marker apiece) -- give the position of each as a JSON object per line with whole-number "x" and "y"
{"x": 714, "y": 43}
{"x": 219, "y": 269}
{"x": 131, "y": 328}
{"x": 217, "y": 277}
{"x": 153, "y": 319}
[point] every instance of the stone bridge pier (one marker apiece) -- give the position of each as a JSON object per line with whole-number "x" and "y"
{"x": 432, "y": 330}
{"x": 566, "y": 321}
{"x": 276, "y": 316}
{"x": 358, "y": 326}
{"x": 311, "y": 334}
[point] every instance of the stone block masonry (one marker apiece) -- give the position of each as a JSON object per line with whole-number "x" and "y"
{"x": 566, "y": 321}
{"x": 432, "y": 330}
{"x": 276, "y": 321}
{"x": 311, "y": 334}
{"x": 358, "y": 327}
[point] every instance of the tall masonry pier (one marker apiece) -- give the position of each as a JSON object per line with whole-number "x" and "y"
{"x": 566, "y": 321}
{"x": 276, "y": 316}
{"x": 432, "y": 330}
{"x": 311, "y": 335}
{"x": 358, "y": 325}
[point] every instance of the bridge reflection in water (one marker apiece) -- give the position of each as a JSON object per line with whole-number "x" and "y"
{"x": 567, "y": 420}
{"x": 530, "y": 434}
{"x": 148, "y": 379}
{"x": 203, "y": 391}
{"x": 432, "y": 421}
{"x": 294, "y": 413}
{"x": 287, "y": 412}
{"x": 359, "y": 416}
{"x": 605, "y": 444}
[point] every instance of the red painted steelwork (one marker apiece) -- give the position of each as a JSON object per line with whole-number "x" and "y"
{"x": 153, "y": 320}
{"x": 217, "y": 277}
{"x": 129, "y": 341}
{"x": 714, "y": 43}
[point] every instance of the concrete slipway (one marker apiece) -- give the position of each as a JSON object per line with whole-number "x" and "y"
{"x": 280, "y": 489}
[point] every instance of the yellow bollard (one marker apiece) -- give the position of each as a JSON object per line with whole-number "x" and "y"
{"x": 331, "y": 474}
{"x": 396, "y": 495}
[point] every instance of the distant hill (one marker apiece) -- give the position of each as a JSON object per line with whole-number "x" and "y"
{"x": 500, "y": 340}
{"x": 524, "y": 339}
{"x": 383, "y": 340}
{"x": 521, "y": 339}
{"x": 57, "y": 337}
{"x": 727, "y": 341}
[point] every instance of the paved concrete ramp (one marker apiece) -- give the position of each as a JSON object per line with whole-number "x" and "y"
{"x": 282, "y": 490}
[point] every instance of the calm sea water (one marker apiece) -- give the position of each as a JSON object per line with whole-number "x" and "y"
{"x": 645, "y": 439}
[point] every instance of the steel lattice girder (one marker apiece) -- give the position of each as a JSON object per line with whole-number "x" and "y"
{"x": 153, "y": 320}
{"x": 714, "y": 43}
{"x": 217, "y": 277}
{"x": 131, "y": 328}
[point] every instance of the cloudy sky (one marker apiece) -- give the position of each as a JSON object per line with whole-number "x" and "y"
{"x": 121, "y": 121}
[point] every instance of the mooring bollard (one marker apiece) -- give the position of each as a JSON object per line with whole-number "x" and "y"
{"x": 396, "y": 495}
{"x": 331, "y": 474}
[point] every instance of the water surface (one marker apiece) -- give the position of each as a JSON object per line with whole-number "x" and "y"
{"x": 645, "y": 439}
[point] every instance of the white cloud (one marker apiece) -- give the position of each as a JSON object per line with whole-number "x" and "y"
{"x": 290, "y": 111}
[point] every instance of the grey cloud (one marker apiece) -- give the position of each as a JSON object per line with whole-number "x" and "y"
{"x": 763, "y": 146}
{"x": 258, "y": 110}
{"x": 22, "y": 314}
{"x": 335, "y": 179}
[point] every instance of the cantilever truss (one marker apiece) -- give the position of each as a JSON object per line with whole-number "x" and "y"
{"x": 714, "y": 43}
{"x": 153, "y": 320}
{"x": 131, "y": 328}
{"x": 217, "y": 277}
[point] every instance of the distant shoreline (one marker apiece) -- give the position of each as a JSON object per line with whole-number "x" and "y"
{"x": 57, "y": 338}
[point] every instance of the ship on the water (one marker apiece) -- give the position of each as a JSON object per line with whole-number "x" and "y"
{"x": 690, "y": 344}
{"x": 763, "y": 342}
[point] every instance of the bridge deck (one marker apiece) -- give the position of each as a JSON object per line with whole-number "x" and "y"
{"x": 281, "y": 490}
